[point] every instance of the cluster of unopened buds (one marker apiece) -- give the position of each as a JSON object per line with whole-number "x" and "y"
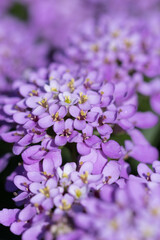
{"x": 76, "y": 127}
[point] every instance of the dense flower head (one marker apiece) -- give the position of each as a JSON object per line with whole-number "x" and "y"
{"x": 49, "y": 195}
{"x": 61, "y": 105}
{"x": 66, "y": 203}
{"x": 124, "y": 46}
{"x": 3, "y": 6}
{"x": 126, "y": 7}
{"x": 18, "y": 51}
{"x": 129, "y": 217}
{"x": 128, "y": 50}
{"x": 79, "y": 130}
{"x": 53, "y": 16}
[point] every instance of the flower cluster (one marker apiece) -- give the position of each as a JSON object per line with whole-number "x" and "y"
{"x": 3, "y": 6}
{"x": 126, "y": 8}
{"x": 77, "y": 108}
{"x": 129, "y": 52}
{"x": 45, "y": 190}
{"x": 64, "y": 203}
{"x": 58, "y": 106}
{"x": 18, "y": 51}
{"x": 85, "y": 170}
{"x": 54, "y": 16}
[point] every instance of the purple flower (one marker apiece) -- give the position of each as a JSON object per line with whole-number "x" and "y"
{"x": 17, "y": 52}
{"x": 155, "y": 100}
{"x": 111, "y": 149}
{"x": 55, "y": 117}
{"x": 65, "y": 133}
{"x": 81, "y": 107}
{"x": 50, "y": 13}
{"x": 140, "y": 149}
{"x": 8, "y": 216}
{"x": 36, "y": 153}
{"x": 147, "y": 175}
{"x": 81, "y": 117}
{"x": 111, "y": 172}
{"x": 150, "y": 120}
{"x": 4, "y": 161}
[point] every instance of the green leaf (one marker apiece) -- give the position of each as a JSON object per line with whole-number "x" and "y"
{"x": 19, "y": 11}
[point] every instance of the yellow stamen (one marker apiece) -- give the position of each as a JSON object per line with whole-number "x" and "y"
{"x": 65, "y": 175}
{"x": 44, "y": 103}
{"x": 155, "y": 211}
{"x": 33, "y": 93}
{"x": 148, "y": 233}
{"x": 106, "y": 60}
{"x": 84, "y": 177}
{"x": 47, "y": 175}
{"x": 107, "y": 180}
{"x": 116, "y": 34}
{"x": 29, "y": 115}
{"x": 26, "y": 186}
{"x": 95, "y": 48}
{"x": 78, "y": 193}
{"x": 56, "y": 117}
{"x": 71, "y": 85}
{"x": 54, "y": 89}
{"x": 148, "y": 176}
{"x": 65, "y": 206}
{"x": 51, "y": 78}
{"x": 45, "y": 191}
{"x": 18, "y": 134}
{"x": 128, "y": 43}
{"x": 114, "y": 224}
{"x": 87, "y": 83}
{"x": 67, "y": 99}
{"x": 82, "y": 115}
{"x": 83, "y": 98}
{"x": 36, "y": 205}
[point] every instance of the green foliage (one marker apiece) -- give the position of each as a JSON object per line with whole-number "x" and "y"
{"x": 19, "y": 11}
{"x": 120, "y": 138}
{"x": 69, "y": 153}
{"x": 144, "y": 103}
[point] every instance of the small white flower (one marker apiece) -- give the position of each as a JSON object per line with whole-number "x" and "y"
{"x": 68, "y": 98}
{"x": 77, "y": 191}
{"x": 52, "y": 87}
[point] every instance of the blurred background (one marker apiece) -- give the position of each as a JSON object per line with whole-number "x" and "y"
{"x": 51, "y": 23}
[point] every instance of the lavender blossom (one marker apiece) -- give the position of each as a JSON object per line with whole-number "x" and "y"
{"x": 123, "y": 49}
{"x": 55, "y": 16}
{"x": 18, "y": 52}
{"x": 76, "y": 124}
{"x": 62, "y": 107}
{"x": 62, "y": 215}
